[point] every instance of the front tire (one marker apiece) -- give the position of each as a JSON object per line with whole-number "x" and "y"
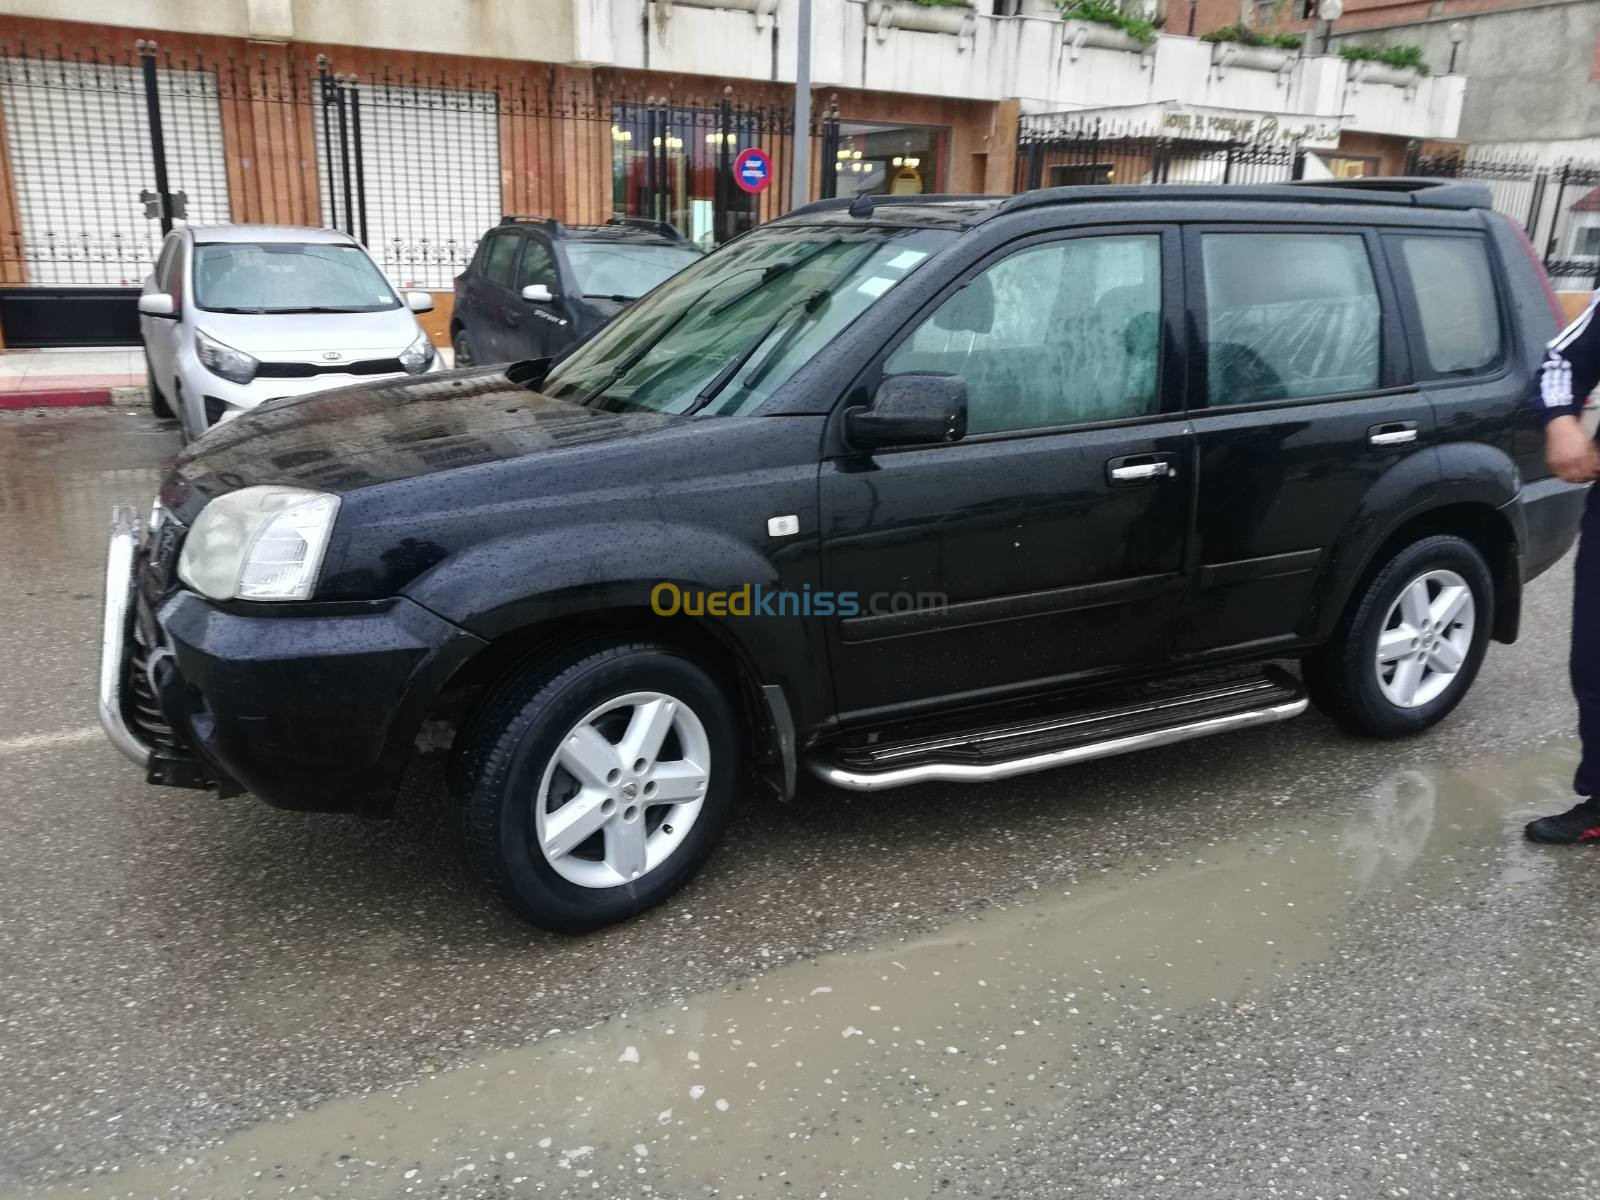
{"x": 462, "y": 345}
{"x": 1411, "y": 644}
{"x": 158, "y": 402}
{"x": 598, "y": 784}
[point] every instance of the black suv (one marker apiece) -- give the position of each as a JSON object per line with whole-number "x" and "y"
{"x": 535, "y": 287}
{"x": 895, "y": 489}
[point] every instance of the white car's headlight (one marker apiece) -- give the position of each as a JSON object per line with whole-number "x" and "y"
{"x": 231, "y": 364}
{"x": 259, "y": 543}
{"x": 417, "y": 356}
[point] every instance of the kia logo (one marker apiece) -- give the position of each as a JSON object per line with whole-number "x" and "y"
{"x": 331, "y": 355}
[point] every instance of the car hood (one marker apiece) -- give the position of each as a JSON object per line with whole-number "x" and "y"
{"x": 279, "y": 337}
{"x": 354, "y": 437}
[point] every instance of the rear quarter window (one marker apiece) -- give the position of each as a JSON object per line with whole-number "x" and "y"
{"x": 1455, "y": 312}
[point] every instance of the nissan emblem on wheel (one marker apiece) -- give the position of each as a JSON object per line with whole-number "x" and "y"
{"x": 888, "y": 490}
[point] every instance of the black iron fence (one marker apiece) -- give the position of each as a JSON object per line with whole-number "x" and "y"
{"x": 104, "y": 151}
{"x": 1557, "y": 205}
{"x": 1055, "y": 151}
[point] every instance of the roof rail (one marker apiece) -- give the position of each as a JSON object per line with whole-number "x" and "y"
{"x": 664, "y": 228}
{"x": 1412, "y": 193}
{"x": 863, "y": 205}
{"x": 550, "y": 223}
{"x": 1425, "y": 191}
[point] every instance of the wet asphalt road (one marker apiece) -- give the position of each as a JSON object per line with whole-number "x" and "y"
{"x": 1279, "y": 963}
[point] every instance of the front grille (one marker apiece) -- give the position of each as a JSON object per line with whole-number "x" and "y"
{"x": 143, "y": 710}
{"x": 305, "y": 370}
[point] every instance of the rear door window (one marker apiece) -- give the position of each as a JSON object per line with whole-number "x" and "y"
{"x": 499, "y": 256}
{"x": 1449, "y": 287}
{"x": 1291, "y": 315}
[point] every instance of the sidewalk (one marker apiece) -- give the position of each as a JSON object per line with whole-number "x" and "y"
{"x": 67, "y": 378}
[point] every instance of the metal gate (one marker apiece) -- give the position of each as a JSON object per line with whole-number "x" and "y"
{"x": 104, "y": 155}
{"x": 1557, "y": 205}
{"x": 411, "y": 170}
{"x": 1053, "y": 150}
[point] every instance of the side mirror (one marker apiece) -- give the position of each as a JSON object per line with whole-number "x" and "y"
{"x": 419, "y": 302}
{"x": 157, "y": 304}
{"x": 911, "y": 410}
{"x": 537, "y": 293}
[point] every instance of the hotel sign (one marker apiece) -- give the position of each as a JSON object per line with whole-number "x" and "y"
{"x": 1229, "y": 125}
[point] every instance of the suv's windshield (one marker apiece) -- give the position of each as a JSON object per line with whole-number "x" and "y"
{"x": 726, "y": 333}
{"x": 288, "y": 277}
{"x": 625, "y": 270}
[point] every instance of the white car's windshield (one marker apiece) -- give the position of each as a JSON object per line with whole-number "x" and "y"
{"x": 723, "y": 335}
{"x": 288, "y": 277}
{"x": 624, "y": 270}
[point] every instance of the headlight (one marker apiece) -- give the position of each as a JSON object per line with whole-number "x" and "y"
{"x": 259, "y": 543}
{"x": 417, "y": 356}
{"x": 222, "y": 360}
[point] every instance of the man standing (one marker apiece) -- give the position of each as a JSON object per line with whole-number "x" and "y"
{"x": 1570, "y": 373}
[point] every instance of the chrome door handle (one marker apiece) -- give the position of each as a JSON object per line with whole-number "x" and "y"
{"x": 1134, "y": 472}
{"x": 1392, "y": 437}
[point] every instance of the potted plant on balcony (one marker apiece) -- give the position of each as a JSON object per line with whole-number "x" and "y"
{"x": 1104, "y": 24}
{"x": 925, "y": 16}
{"x": 1241, "y": 46}
{"x": 1402, "y": 66}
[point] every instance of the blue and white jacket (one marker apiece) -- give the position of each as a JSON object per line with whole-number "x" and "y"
{"x": 1572, "y": 369}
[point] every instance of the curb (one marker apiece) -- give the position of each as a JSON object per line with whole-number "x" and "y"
{"x": 57, "y": 398}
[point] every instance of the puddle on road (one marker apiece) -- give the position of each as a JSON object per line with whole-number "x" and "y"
{"x": 858, "y": 1073}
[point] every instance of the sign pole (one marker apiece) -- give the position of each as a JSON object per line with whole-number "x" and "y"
{"x": 802, "y": 109}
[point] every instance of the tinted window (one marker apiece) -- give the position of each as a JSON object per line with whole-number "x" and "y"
{"x": 1057, "y": 334}
{"x": 163, "y": 272}
{"x": 498, "y": 256}
{"x": 1288, "y": 315}
{"x": 1455, "y": 299}
{"x": 536, "y": 266}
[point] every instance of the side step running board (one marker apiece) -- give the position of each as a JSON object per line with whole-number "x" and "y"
{"x": 1000, "y": 749}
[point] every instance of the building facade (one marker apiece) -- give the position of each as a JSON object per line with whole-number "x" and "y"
{"x": 1530, "y": 117}
{"x": 415, "y": 124}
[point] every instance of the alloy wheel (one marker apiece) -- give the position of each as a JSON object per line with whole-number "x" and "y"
{"x": 622, "y": 790}
{"x": 1425, "y": 638}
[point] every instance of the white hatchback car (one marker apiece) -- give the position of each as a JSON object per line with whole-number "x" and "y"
{"x": 235, "y": 315}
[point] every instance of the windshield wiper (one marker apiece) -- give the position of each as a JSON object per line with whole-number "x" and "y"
{"x": 251, "y": 311}
{"x": 617, "y": 296}
{"x": 326, "y": 308}
{"x": 775, "y": 271}
{"x": 809, "y": 302}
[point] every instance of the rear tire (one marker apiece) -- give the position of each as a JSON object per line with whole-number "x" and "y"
{"x": 1410, "y": 644}
{"x": 462, "y": 345}
{"x": 158, "y": 402}
{"x": 597, "y": 784}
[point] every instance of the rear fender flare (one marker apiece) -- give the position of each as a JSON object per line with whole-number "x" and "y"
{"x": 1452, "y": 474}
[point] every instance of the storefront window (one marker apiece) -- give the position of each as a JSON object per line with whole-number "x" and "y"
{"x": 673, "y": 164}
{"x": 889, "y": 160}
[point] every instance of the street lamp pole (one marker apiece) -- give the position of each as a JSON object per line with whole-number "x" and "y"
{"x": 802, "y": 109}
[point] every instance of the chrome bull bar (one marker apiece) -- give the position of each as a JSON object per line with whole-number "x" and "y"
{"x": 114, "y": 632}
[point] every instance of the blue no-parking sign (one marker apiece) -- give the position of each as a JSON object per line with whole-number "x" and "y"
{"x": 752, "y": 170}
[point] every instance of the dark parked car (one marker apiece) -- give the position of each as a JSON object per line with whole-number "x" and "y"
{"x": 535, "y": 287}
{"x": 892, "y": 490}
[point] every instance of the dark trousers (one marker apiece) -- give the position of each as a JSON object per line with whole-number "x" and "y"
{"x": 1585, "y": 661}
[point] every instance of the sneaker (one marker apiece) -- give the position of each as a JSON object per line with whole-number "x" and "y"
{"x": 1581, "y": 823}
